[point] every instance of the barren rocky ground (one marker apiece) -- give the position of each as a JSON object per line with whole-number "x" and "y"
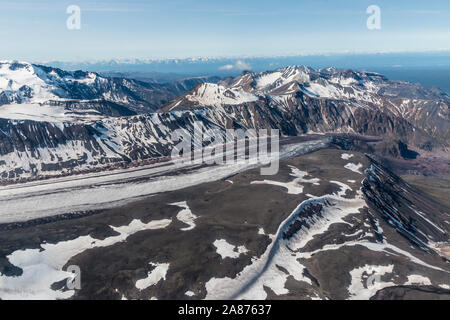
{"x": 318, "y": 254}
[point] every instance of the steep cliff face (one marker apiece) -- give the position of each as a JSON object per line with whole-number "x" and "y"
{"x": 417, "y": 217}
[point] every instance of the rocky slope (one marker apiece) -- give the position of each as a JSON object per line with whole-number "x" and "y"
{"x": 30, "y": 149}
{"x": 300, "y": 100}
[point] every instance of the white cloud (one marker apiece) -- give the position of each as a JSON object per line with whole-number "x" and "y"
{"x": 226, "y": 67}
{"x": 238, "y": 65}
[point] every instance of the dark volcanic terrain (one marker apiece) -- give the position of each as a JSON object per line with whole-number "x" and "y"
{"x": 336, "y": 237}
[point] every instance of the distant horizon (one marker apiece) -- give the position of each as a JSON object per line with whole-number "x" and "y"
{"x": 45, "y": 30}
{"x": 232, "y": 64}
{"x": 406, "y": 66}
{"x": 242, "y": 56}
{"x": 429, "y": 68}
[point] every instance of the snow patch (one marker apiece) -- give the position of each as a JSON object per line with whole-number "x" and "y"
{"x": 294, "y": 186}
{"x": 418, "y": 280}
{"x": 42, "y": 267}
{"x": 346, "y": 156}
{"x": 366, "y": 281}
{"x": 185, "y": 215}
{"x": 354, "y": 167}
{"x": 227, "y": 250}
{"x": 157, "y": 274}
{"x": 189, "y": 293}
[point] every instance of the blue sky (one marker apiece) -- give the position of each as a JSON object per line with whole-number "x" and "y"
{"x": 36, "y": 30}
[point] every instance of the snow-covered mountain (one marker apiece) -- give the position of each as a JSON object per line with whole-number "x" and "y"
{"x": 299, "y": 99}
{"x": 22, "y": 82}
{"x": 54, "y": 122}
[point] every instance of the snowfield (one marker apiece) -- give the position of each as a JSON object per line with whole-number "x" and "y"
{"x": 366, "y": 281}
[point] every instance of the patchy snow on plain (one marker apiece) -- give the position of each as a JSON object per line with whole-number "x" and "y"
{"x": 42, "y": 267}
{"x": 227, "y": 250}
{"x": 417, "y": 279}
{"x": 354, "y": 167}
{"x": 189, "y": 293}
{"x": 366, "y": 281}
{"x": 158, "y": 273}
{"x": 346, "y": 156}
{"x": 331, "y": 214}
{"x": 294, "y": 186}
{"x": 185, "y": 215}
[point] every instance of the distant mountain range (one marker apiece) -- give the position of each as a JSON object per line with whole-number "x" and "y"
{"x": 228, "y": 65}
{"x": 55, "y": 122}
{"x": 428, "y": 68}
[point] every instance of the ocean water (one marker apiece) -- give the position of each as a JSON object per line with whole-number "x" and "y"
{"x": 433, "y": 77}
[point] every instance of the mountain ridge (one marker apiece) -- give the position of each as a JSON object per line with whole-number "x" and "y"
{"x": 367, "y": 93}
{"x": 23, "y": 82}
{"x": 83, "y": 121}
